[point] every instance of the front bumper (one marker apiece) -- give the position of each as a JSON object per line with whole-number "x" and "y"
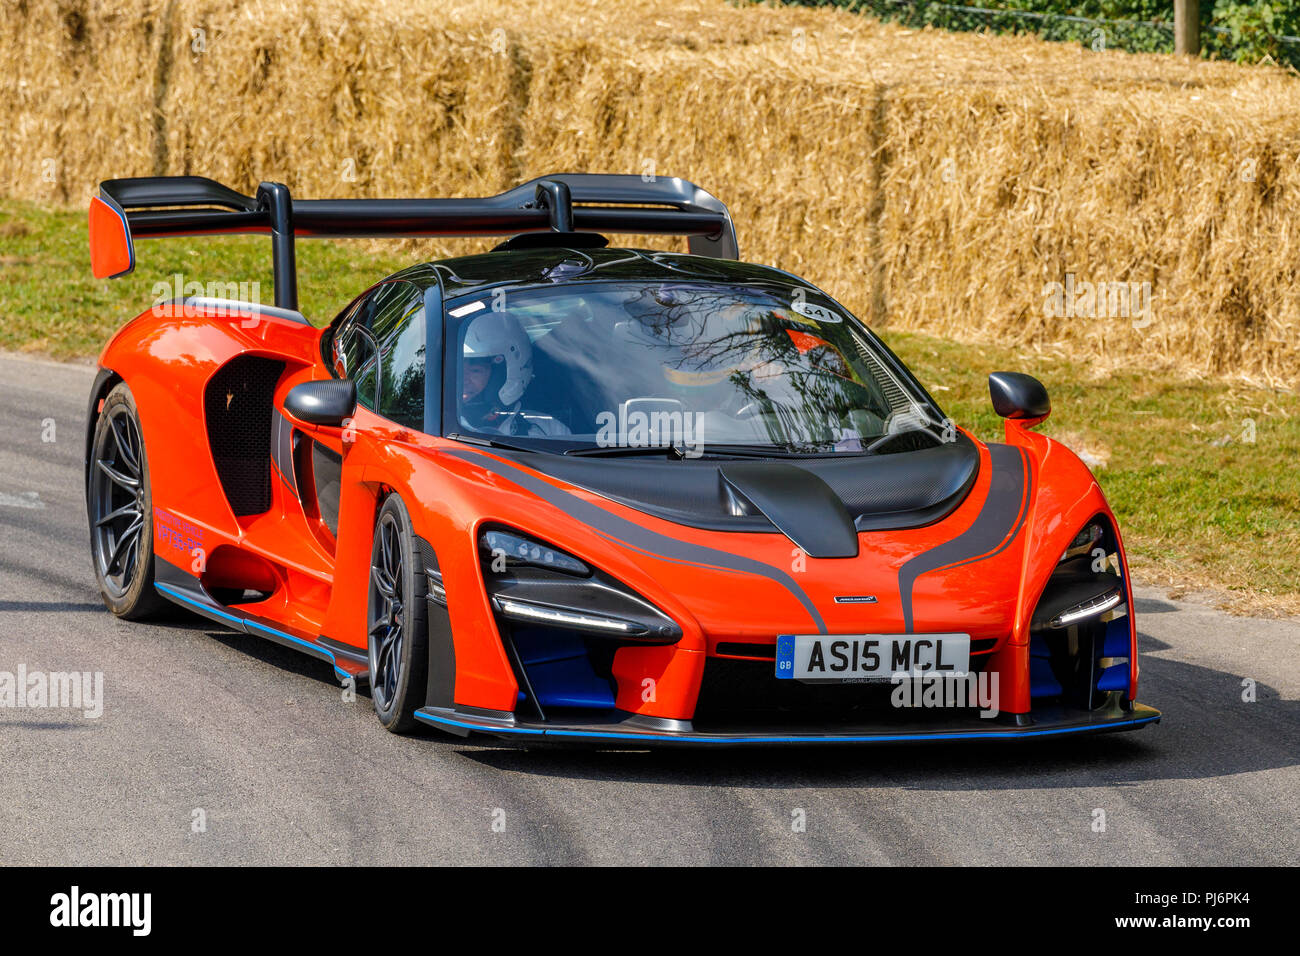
{"x": 632, "y": 731}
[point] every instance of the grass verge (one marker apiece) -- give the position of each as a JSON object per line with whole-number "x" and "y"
{"x": 52, "y": 305}
{"x": 1202, "y": 474}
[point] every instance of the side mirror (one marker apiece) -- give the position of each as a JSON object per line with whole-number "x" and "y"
{"x": 1019, "y": 396}
{"x": 328, "y": 402}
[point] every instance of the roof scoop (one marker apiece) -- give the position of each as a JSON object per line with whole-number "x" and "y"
{"x": 798, "y": 503}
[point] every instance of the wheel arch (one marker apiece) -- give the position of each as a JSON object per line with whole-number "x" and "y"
{"x": 439, "y": 644}
{"x": 106, "y": 379}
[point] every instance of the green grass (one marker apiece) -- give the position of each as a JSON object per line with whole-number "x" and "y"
{"x": 1199, "y": 506}
{"x": 52, "y": 304}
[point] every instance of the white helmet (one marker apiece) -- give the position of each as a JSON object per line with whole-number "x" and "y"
{"x": 496, "y": 333}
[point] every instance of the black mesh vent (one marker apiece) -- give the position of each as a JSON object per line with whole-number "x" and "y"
{"x": 740, "y": 649}
{"x": 749, "y": 692}
{"x": 237, "y": 405}
{"x": 894, "y": 393}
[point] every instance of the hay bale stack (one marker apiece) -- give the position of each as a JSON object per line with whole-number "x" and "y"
{"x": 933, "y": 181}
{"x": 77, "y": 94}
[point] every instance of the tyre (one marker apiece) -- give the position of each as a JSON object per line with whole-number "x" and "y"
{"x": 120, "y": 507}
{"x": 396, "y": 614}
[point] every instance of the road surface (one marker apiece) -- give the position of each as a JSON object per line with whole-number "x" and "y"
{"x": 221, "y": 748}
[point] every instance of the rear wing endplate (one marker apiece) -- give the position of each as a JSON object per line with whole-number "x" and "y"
{"x": 130, "y": 209}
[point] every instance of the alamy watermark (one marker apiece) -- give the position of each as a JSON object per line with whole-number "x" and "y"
{"x": 952, "y": 691}
{"x": 1082, "y": 299}
{"x": 240, "y": 300}
{"x": 650, "y": 427}
{"x": 55, "y": 690}
{"x": 133, "y": 911}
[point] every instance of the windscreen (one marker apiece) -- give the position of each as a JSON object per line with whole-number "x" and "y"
{"x": 692, "y": 365}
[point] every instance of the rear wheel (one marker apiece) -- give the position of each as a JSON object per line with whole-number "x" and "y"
{"x": 120, "y": 508}
{"x": 397, "y": 636}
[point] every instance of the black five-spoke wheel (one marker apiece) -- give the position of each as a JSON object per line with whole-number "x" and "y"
{"x": 396, "y": 615}
{"x": 120, "y": 509}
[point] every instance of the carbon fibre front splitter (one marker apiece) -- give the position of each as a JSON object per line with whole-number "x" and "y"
{"x": 639, "y": 732}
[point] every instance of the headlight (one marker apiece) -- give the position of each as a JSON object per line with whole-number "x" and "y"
{"x": 1075, "y": 594}
{"x": 534, "y": 584}
{"x": 1087, "y": 538}
{"x": 1091, "y": 607}
{"x": 1079, "y": 589}
{"x": 511, "y": 551}
{"x": 1079, "y": 634}
{"x": 531, "y": 613}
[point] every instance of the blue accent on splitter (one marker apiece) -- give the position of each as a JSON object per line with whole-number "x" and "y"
{"x": 440, "y": 720}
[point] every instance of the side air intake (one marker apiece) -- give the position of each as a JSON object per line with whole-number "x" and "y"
{"x": 237, "y": 407}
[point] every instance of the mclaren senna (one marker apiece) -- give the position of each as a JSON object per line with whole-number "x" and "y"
{"x": 564, "y": 491}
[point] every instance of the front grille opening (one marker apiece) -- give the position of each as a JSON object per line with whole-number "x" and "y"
{"x": 747, "y": 695}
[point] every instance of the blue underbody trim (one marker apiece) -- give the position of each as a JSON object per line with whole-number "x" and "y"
{"x": 503, "y": 730}
{"x": 1114, "y": 677}
{"x": 1042, "y": 682}
{"x": 438, "y": 720}
{"x": 1116, "y": 641}
{"x": 559, "y": 669}
{"x": 243, "y": 624}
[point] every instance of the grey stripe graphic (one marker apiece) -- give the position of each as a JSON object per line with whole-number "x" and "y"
{"x": 995, "y": 527}
{"x": 640, "y": 539}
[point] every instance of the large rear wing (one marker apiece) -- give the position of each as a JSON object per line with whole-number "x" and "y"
{"x": 130, "y": 209}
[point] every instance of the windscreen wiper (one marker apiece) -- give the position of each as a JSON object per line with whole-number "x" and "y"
{"x": 489, "y": 442}
{"x": 680, "y": 453}
{"x": 884, "y": 440}
{"x": 767, "y": 451}
{"x": 671, "y": 452}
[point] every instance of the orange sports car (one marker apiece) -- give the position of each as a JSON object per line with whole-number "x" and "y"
{"x": 563, "y": 492}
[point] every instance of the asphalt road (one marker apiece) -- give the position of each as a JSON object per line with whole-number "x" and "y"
{"x": 260, "y": 740}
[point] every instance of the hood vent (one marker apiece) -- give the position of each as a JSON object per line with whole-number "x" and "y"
{"x": 798, "y": 503}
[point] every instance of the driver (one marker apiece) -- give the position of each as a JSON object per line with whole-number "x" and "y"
{"x": 496, "y": 369}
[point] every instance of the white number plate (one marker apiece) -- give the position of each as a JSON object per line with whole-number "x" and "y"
{"x": 867, "y": 657}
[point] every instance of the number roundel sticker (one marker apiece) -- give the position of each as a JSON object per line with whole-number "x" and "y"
{"x": 816, "y": 312}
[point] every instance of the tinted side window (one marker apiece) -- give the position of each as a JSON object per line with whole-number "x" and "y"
{"x": 367, "y": 386}
{"x": 344, "y": 343}
{"x": 362, "y": 330}
{"x": 402, "y": 369}
{"x": 364, "y": 335}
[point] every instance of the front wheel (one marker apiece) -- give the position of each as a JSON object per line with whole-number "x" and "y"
{"x": 397, "y": 636}
{"x": 120, "y": 507}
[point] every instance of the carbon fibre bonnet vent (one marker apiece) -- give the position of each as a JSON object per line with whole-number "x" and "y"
{"x": 237, "y": 409}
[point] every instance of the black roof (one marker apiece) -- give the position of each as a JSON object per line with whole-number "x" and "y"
{"x": 515, "y": 267}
